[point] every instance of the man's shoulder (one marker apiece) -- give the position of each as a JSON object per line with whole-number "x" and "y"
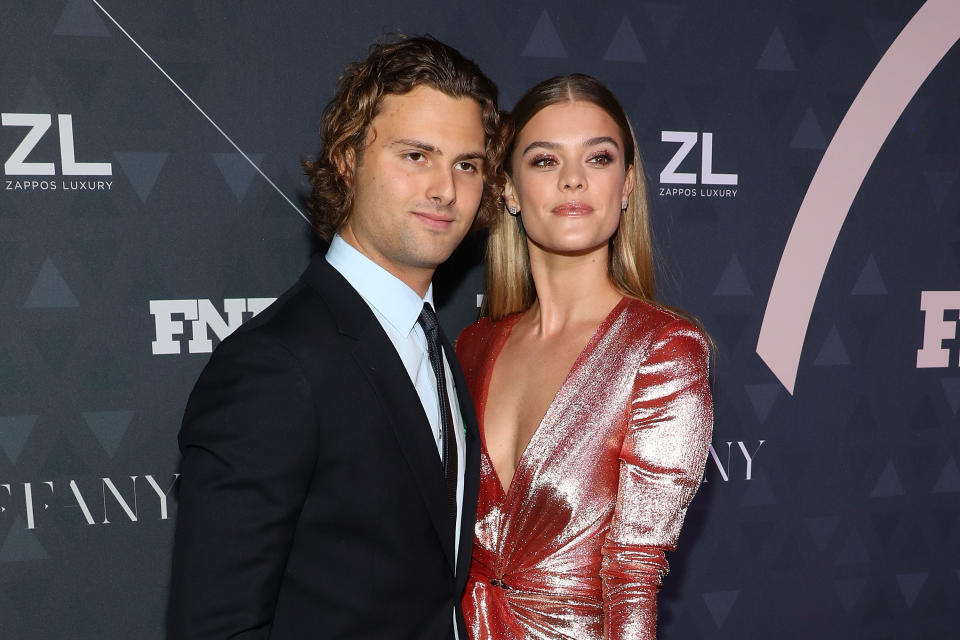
{"x": 303, "y": 317}
{"x": 294, "y": 312}
{"x": 298, "y": 342}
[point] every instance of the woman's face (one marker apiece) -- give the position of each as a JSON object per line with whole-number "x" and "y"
{"x": 569, "y": 178}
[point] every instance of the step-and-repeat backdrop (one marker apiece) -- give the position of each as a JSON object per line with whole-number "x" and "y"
{"x": 803, "y": 161}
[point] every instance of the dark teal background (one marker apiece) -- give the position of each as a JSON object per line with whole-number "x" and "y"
{"x": 849, "y": 525}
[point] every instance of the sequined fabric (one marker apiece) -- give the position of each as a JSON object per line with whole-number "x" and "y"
{"x": 575, "y": 547}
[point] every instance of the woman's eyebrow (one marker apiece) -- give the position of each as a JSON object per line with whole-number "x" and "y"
{"x": 601, "y": 140}
{"x": 553, "y": 146}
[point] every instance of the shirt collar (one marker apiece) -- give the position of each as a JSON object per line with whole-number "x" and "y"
{"x": 391, "y": 297}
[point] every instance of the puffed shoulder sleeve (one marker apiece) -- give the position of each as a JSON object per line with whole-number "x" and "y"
{"x": 661, "y": 467}
{"x": 249, "y": 442}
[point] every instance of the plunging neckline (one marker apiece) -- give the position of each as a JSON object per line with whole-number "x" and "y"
{"x": 509, "y": 324}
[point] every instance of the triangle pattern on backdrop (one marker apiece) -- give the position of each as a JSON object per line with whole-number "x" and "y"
{"x": 809, "y": 133}
{"x": 951, "y": 388}
{"x": 141, "y": 169}
{"x": 870, "y": 282}
{"x": 109, "y": 427}
{"x": 833, "y": 352}
{"x": 888, "y": 484}
{"x": 544, "y": 41}
{"x": 50, "y": 290}
{"x": 81, "y": 18}
{"x": 237, "y": 171}
{"x": 14, "y": 431}
{"x": 21, "y": 544}
{"x": 776, "y": 56}
{"x": 761, "y": 398}
{"x": 719, "y": 604}
{"x": 733, "y": 281}
{"x": 910, "y": 585}
{"x": 949, "y": 479}
{"x": 625, "y": 47}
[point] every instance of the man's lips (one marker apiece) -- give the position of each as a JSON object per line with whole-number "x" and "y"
{"x": 434, "y": 219}
{"x": 572, "y": 208}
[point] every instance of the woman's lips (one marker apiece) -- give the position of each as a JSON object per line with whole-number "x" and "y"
{"x": 572, "y": 208}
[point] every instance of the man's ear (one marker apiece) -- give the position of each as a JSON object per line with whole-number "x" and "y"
{"x": 346, "y": 165}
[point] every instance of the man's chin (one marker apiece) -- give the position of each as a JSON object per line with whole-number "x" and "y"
{"x": 439, "y": 252}
{"x": 432, "y": 261}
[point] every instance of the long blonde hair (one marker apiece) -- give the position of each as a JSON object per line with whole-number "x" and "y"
{"x": 509, "y": 286}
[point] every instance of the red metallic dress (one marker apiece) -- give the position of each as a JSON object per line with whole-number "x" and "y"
{"x": 575, "y": 547}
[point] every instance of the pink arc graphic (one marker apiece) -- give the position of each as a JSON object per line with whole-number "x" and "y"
{"x": 897, "y": 77}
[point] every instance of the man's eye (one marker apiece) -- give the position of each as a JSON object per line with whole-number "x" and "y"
{"x": 415, "y": 156}
{"x": 467, "y": 167}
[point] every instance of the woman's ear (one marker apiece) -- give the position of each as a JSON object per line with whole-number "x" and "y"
{"x": 510, "y": 196}
{"x": 629, "y": 182}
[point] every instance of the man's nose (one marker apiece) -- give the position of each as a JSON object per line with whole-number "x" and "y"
{"x": 442, "y": 189}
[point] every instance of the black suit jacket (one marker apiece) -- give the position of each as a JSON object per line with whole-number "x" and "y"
{"x": 312, "y": 501}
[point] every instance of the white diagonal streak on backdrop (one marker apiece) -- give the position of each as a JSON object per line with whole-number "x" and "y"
{"x": 202, "y": 112}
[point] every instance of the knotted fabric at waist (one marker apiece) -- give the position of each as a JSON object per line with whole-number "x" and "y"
{"x": 582, "y": 583}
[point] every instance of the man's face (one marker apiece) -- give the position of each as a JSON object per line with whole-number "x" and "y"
{"x": 418, "y": 183}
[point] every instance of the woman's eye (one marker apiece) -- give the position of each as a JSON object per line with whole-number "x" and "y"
{"x": 543, "y": 161}
{"x": 467, "y": 167}
{"x": 601, "y": 159}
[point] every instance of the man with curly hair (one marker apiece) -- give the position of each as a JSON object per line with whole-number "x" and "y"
{"x": 330, "y": 449}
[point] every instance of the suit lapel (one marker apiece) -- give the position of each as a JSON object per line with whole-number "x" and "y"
{"x": 381, "y": 365}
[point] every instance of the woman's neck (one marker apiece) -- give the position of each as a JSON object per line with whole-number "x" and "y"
{"x": 571, "y": 289}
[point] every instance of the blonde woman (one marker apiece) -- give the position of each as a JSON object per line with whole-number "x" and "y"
{"x": 593, "y": 399}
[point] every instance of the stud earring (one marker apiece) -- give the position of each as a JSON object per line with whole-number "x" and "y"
{"x": 623, "y": 205}
{"x": 513, "y": 211}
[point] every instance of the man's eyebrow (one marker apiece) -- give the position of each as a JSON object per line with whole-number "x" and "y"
{"x": 543, "y": 144}
{"x": 429, "y": 148}
{"x": 471, "y": 155}
{"x": 416, "y": 144}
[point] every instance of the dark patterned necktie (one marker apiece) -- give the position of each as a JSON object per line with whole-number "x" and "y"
{"x": 431, "y": 327}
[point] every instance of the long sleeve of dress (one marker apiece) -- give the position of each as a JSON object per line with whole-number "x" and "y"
{"x": 661, "y": 467}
